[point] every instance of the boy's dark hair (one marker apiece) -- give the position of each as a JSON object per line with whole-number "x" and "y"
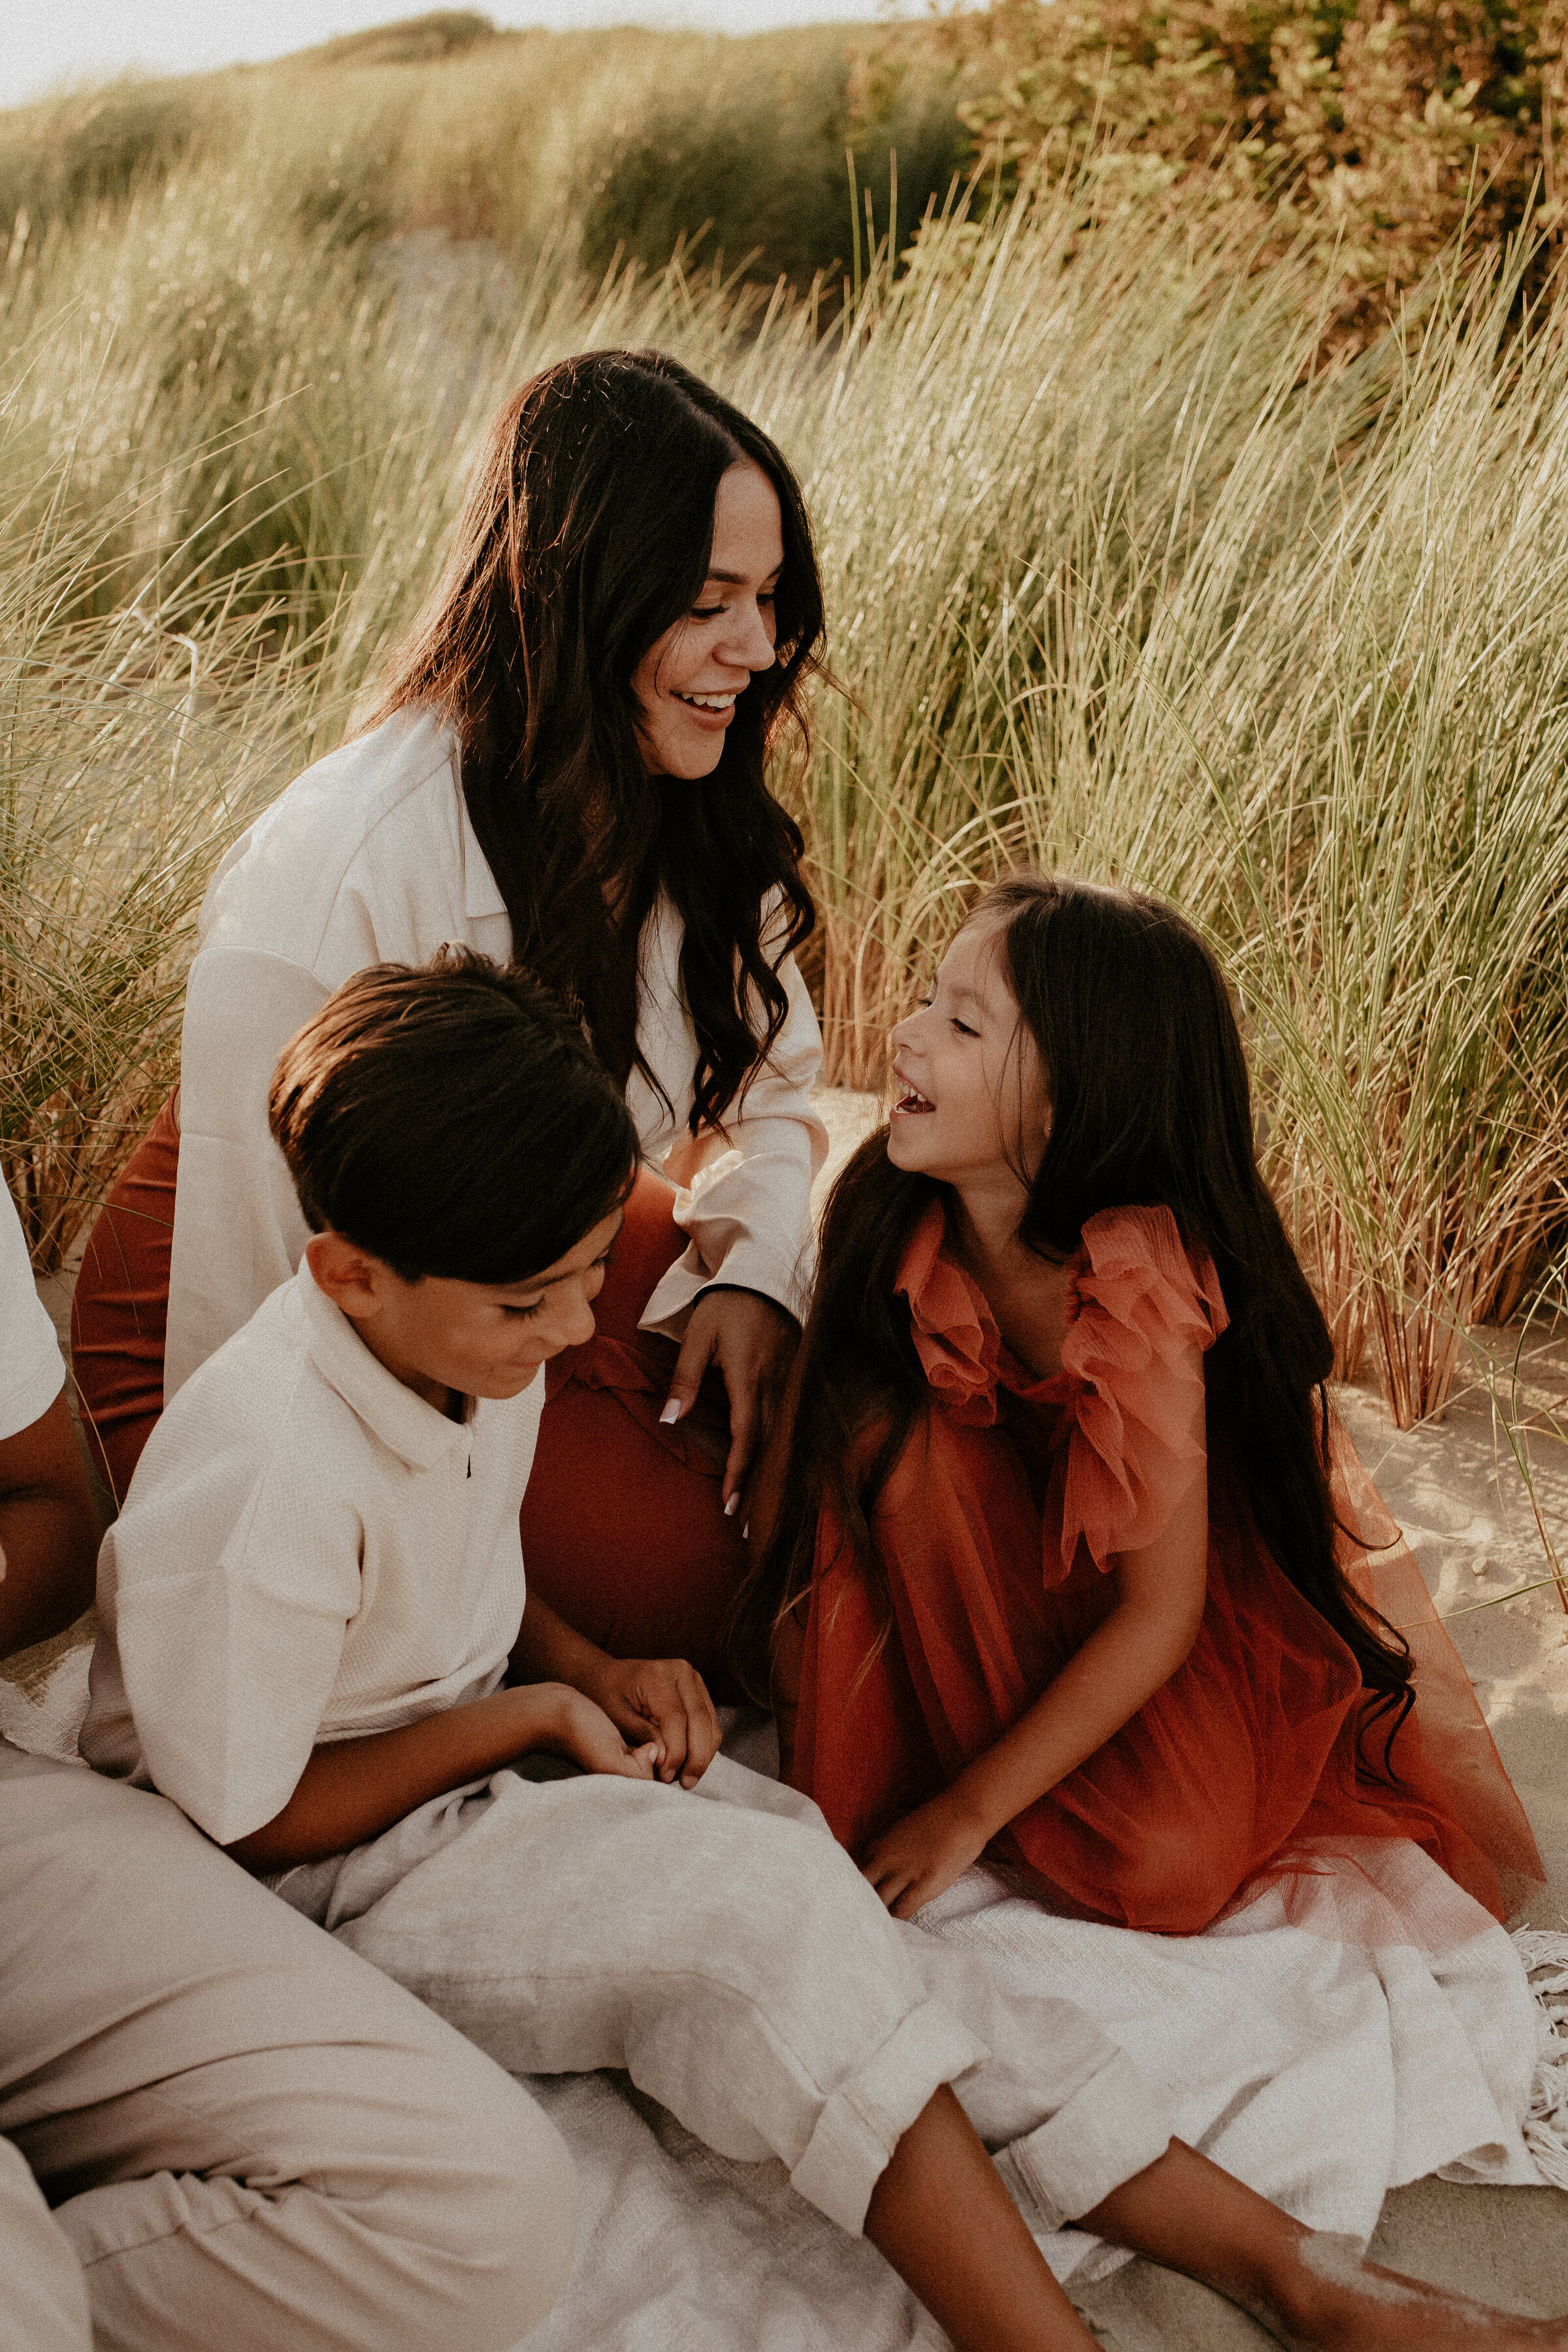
{"x": 451, "y": 1119}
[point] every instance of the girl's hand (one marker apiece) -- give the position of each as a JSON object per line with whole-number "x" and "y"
{"x": 919, "y": 1858}
{"x": 753, "y": 1341}
{"x": 663, "y": 1701}
{"x": 574, "y": 1726}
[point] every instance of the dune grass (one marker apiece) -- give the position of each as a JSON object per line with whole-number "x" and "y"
{"x": 1119, "y": 579}
{"x": 627, "y": 140}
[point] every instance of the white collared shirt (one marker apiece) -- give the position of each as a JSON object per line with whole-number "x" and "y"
{"x": 31, "y": 1371}
{"x": 370, "y": 857}
{"x": 309, "y": 1552}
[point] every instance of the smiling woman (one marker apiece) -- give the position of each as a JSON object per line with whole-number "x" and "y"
{"x": 566, "y": 767}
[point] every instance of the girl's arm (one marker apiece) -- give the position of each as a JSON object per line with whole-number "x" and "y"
{"x": 1160, "y": 1596}
{"x": 354, "y": 1789}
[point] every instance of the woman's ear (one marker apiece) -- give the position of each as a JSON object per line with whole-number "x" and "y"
{"x": 347, "y": 1274}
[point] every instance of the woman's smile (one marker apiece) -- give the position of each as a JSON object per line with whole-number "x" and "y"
{"x": 712, "y": 712}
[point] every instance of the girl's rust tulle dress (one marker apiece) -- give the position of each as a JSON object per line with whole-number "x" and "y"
{"x": 997, "y": 1528}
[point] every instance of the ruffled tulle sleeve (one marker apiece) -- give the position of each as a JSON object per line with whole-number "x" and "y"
{"x": 955, "y": 1336}
{"x": 1137, "y": 1305}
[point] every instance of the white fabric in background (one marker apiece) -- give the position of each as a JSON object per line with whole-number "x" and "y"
{"x": 31, "y": 1371}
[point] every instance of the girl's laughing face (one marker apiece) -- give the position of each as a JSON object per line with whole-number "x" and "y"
{"x": 970, "y": 1105}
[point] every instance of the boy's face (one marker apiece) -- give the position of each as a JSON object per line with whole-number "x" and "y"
{"x": 442, "y": 1338}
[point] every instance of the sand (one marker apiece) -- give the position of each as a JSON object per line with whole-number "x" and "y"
{"x": 1454, "y": 1487}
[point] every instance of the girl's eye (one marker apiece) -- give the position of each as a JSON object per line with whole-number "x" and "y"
{"x": 964, "y": 1031}
{"x": 706, "y": 611}
{"x": 523, "y": 1313}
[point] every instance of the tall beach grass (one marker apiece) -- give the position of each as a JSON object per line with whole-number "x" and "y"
{"x": 1118, "y": 579}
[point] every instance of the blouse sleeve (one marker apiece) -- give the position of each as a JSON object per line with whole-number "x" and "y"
{"x": 238, "y": 1231}
{"x": 748, "y": 1214}
{"x": 363, "y": 857}
{"x": 1138, "y": 1306}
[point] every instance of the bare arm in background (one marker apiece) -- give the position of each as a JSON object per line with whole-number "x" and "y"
{"x": 48, "y": 1531}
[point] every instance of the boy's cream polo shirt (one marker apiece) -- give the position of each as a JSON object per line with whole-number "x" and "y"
{"x": 307, "y": 1551}
{"x": 370, "y": 857}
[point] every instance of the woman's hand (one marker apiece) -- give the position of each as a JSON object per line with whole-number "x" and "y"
{"x": 753, "y": 1341}
{"x": 919, "y": 1858}
{"x": 662, "y": 1702}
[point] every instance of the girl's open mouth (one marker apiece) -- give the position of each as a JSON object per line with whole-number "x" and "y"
{"x": 911, "y": 1101}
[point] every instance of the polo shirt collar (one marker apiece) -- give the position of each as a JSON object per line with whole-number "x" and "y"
{"x": 405, "y": 1423}
{"x": 480, "y": 895}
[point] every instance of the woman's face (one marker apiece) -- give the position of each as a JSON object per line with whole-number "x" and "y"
{"x": 687, "y": 682}
{"x": 970, "y": 1101}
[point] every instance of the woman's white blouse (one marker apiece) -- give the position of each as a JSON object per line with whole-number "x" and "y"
{"x": 369, "y": 857}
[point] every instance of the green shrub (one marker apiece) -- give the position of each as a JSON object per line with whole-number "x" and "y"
{"x": 1375, "y": 127}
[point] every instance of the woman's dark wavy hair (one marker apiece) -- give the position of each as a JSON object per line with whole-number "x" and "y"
{"x": 1150, "y": 1104}
{"x": 586, "y": 532}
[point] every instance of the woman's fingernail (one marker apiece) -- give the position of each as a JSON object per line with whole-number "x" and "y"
{"x": 731, "y": 1507}
{"x": 671, "y": 1412}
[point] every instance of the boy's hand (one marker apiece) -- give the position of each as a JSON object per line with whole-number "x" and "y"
{"x": 580, "y": 1729}
{"x": 919, "y": 1858}
{"x": 667, "y": 1700}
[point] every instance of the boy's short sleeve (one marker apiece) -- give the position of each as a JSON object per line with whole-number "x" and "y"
{"x": 31, "y": 1371}
{"x": 227, "y": 1588}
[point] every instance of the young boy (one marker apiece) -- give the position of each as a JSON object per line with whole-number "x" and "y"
{"x": 310, "y": 1603}
{"x": 245, "y": 2135}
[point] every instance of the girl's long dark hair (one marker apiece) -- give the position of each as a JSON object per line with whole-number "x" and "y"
{"x": 1150, "y": 1104}
{"x": 586, "y": 532}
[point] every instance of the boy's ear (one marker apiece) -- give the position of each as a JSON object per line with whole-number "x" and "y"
{"x": 348, "y": 1274}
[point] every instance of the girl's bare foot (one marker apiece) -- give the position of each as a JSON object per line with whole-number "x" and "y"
{"x": 1339, "y": 2302}
{"x": 1315, "y": 2291}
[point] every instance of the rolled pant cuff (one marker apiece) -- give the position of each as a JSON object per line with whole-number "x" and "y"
{"x": 1111, "y": 2128}
{"x": 864, "y": 2120}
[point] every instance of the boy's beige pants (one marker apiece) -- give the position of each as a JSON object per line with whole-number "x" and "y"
{"x": 252, "y": 2141}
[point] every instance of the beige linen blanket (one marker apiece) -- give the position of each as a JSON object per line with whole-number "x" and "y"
{"x": 1307, "y": 2044}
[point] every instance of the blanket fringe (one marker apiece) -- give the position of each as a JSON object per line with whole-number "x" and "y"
{"x": 1545, "y": 1958}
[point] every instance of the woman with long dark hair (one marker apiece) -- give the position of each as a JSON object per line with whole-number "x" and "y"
{"x": 1069, "y": 1554}
{"x": 567, "y": 766}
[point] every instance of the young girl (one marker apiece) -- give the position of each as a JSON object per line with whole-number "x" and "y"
{"x": 1074, "y": 1569}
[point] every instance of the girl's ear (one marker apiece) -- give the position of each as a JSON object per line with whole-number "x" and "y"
{"x": 347, "y": 1274}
